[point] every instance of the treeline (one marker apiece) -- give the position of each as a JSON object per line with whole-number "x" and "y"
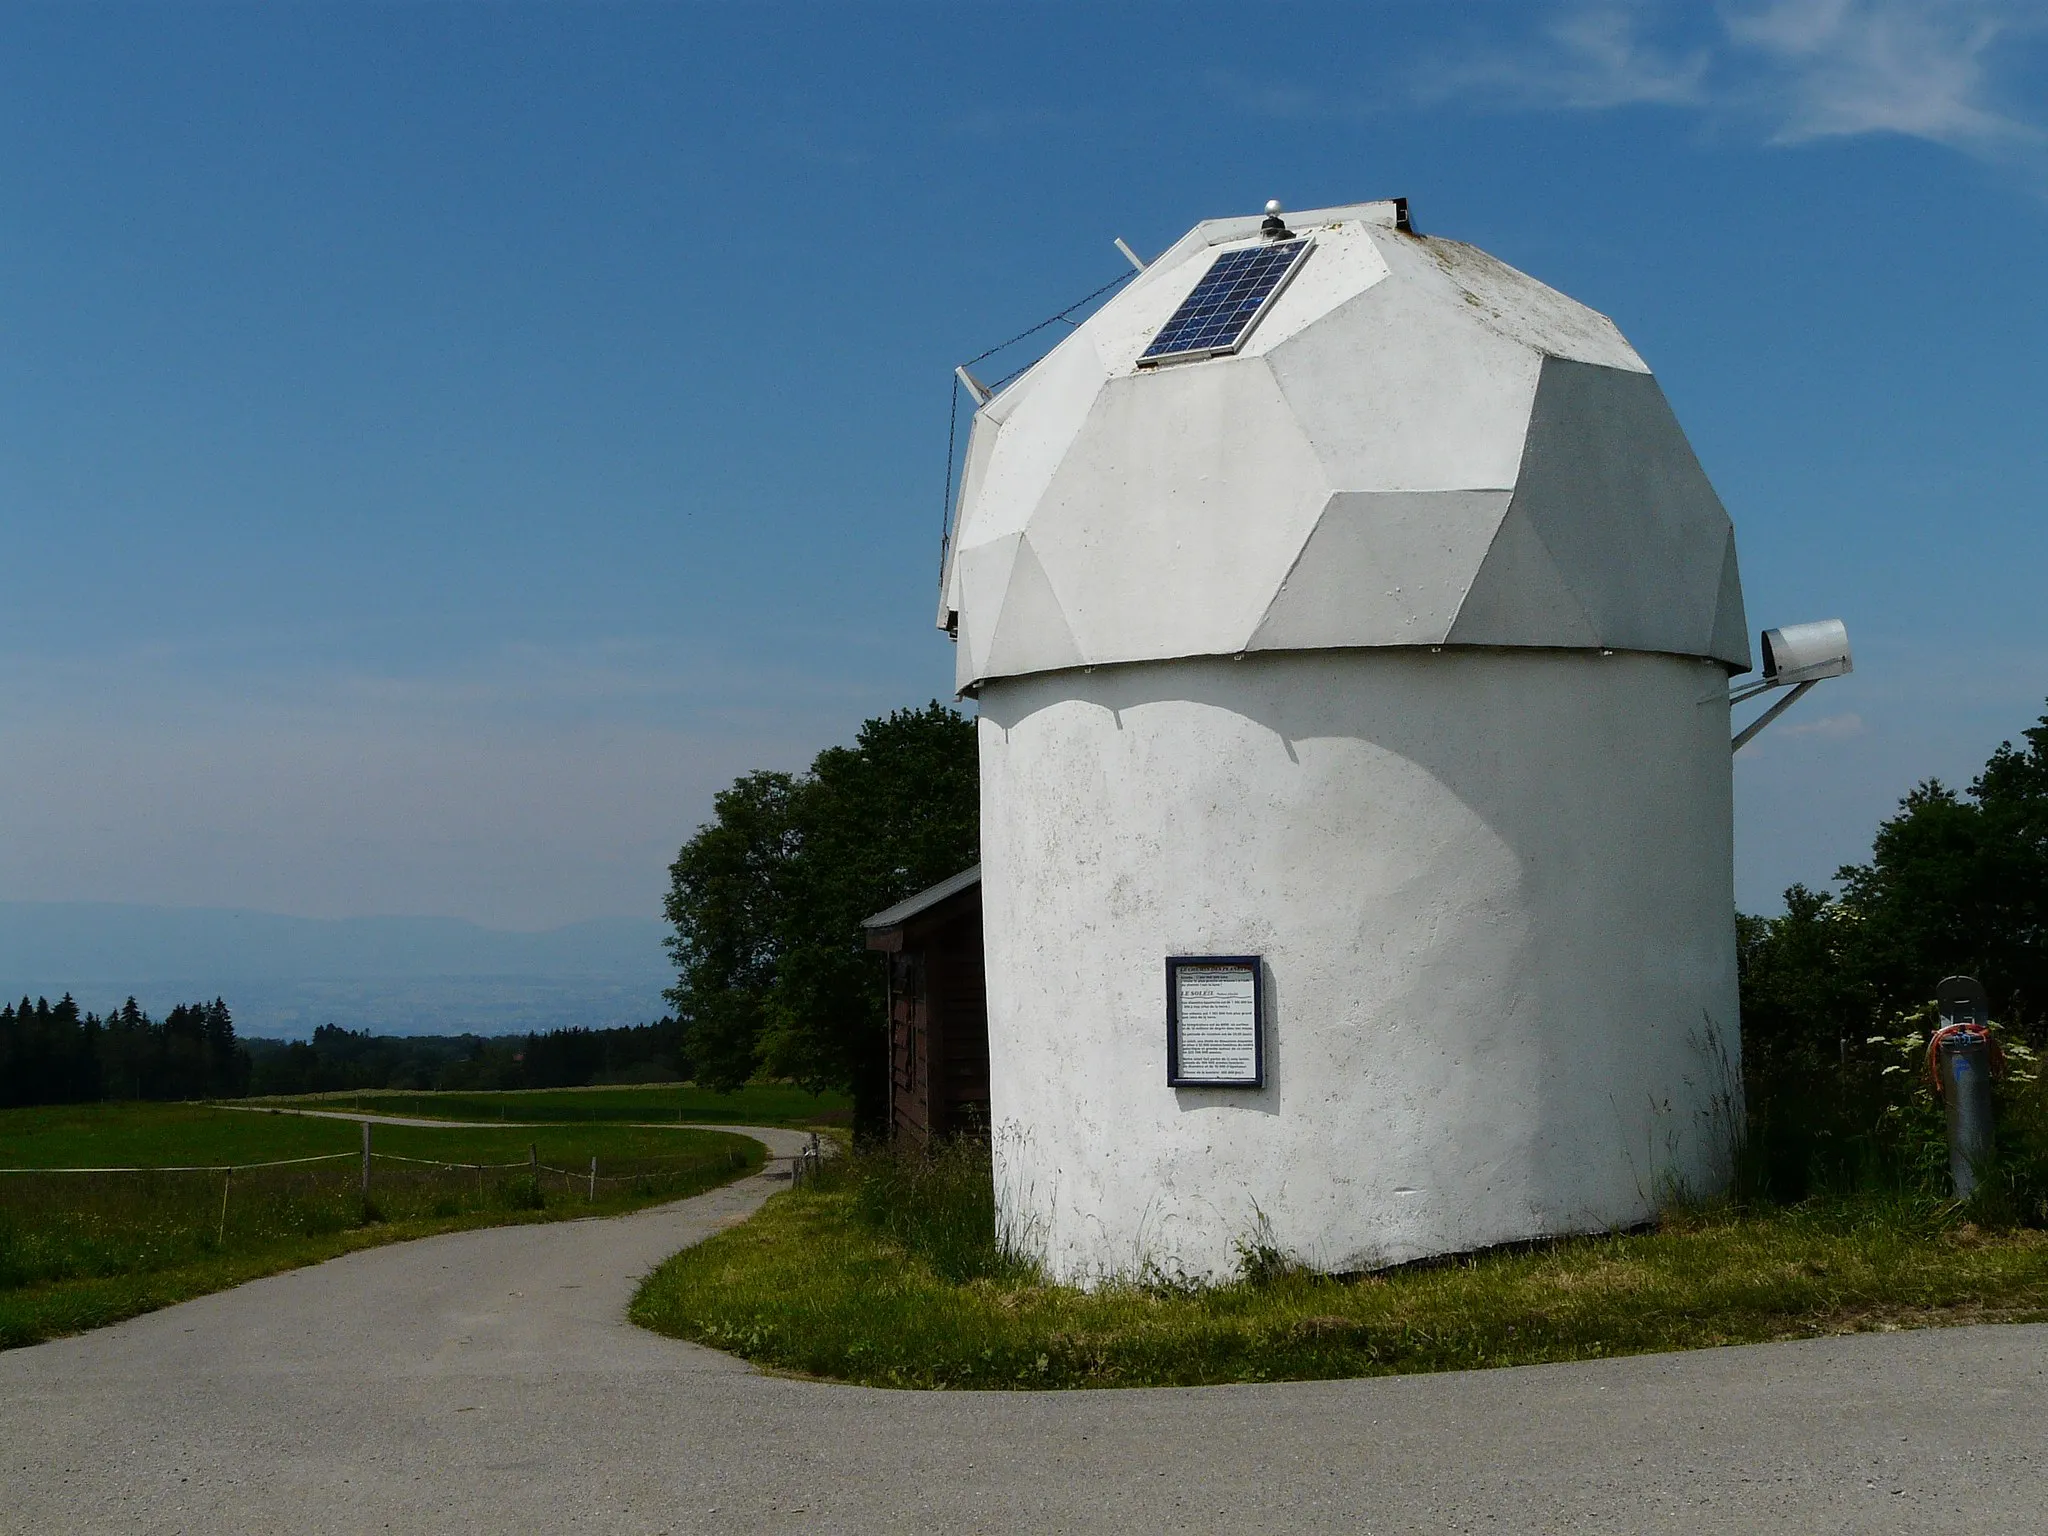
{"x": 336, "y": 1059}
{"x": 51, "y": 1053}
{"x": 1836, "y": 992}
{"x": 767, "y": 900}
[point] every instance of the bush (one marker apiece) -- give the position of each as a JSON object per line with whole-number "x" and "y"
{"x": 1833, "y": 1029}
{"x": 1869, "y": 1124}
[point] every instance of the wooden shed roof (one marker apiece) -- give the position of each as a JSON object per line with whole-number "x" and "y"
{"x": 924, "y": 900}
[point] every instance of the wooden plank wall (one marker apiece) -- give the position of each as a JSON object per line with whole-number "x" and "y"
{"x": 961, "y": 1004}
{"x": 909, "y": 1037}
{"x": 938, "y": 1024}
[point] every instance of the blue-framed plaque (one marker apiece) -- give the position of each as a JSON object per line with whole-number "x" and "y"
{"x": 1215, "y": 1005}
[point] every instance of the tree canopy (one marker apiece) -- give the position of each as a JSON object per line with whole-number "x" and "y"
{"x": 767, "y": 898}
{"x": 1956, "y": 884}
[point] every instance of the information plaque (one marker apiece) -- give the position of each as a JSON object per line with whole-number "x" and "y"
{"x": 1213, "y": 1007}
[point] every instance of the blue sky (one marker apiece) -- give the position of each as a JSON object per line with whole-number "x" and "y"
{"x": 440, "y": 445}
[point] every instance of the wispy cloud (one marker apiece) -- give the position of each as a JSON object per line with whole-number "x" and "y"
{"x": 1793, "y": 71}
{"x": 1591, "y": 58}
{"x": 1923, "y": 68}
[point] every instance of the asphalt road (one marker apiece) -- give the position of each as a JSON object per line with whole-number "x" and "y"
{"x": 488, "y": 1382}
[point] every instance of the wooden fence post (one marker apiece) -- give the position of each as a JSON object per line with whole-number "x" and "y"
{"x": 366, "y": 1161}
{"x": 533, "y": 1161}
{"x": 222, "y": 1236}
{"x": 593, "y": 1176}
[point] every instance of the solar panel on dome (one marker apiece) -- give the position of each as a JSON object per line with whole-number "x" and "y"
{"x": 1229, "y": 300}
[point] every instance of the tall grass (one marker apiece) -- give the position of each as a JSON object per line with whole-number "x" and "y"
{"x": 940, "y": 1206}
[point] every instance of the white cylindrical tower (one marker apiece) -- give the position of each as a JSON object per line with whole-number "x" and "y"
{"x": 1348, "y": 612}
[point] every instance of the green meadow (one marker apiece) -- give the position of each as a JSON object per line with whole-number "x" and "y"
{"x": 82, "y": 1249}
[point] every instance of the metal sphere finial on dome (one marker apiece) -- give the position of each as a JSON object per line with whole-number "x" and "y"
{"x": 1273, "y": 227}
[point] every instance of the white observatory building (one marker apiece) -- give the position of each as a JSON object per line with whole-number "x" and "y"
{"x": 1351, "y": 626}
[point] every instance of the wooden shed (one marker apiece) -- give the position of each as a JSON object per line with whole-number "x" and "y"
{"x": 938, "y": 1010}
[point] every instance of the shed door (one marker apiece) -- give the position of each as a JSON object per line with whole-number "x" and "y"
{"x": 910, "y": 1045}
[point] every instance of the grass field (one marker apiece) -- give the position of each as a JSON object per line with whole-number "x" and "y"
{"x": 677, "y": 1103}
{"x": 859, "y": 1278}
{"x": 78, "y": 1250}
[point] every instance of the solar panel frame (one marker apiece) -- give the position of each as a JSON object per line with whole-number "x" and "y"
{"x": 1219, "y": 315}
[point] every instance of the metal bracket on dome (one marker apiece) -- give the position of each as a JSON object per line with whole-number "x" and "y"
{"x": 1798, "y": 656}
{"x": 981, "y": 392}
{"x": 1129, "y": 255}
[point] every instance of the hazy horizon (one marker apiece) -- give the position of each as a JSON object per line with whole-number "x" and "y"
{"x": 282, "y": 976}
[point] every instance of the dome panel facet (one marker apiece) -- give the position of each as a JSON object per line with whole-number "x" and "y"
{"x": 1034, "y": 433}
{"x": 1730, "y": 639}
{"x": 1518, "y": 596}
{"x": 1528, "y": 312}
{"x": 1175, "y": 516}
{"x": 1032, "y": 634}
{"x": 1611, "y": 486}
{"x": 1383, "y": 568}
{"x": 1401, "y": 389}
{"x": 981, "y": 444}
{"x": 982, "y": 577}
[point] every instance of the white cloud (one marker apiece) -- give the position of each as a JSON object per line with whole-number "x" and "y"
{"x": 1922, "y": 68}
{"x": 1592, "y": 58}
{"x": 1795, "y": 70}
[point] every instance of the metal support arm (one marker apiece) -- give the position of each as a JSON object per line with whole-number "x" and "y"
{"x": 1744, "y": 736}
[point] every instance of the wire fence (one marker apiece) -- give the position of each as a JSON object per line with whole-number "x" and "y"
{"x": 65, "y": 1223}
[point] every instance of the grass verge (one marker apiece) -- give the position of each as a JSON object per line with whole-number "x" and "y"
{"x": 80, "y": 1250}
{"x": 853, "y": 1281}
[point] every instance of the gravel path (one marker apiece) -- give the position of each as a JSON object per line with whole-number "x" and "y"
{"x": 488, "y": 1381}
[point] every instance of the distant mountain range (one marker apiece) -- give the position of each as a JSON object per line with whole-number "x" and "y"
{"x": 284, "y": 976}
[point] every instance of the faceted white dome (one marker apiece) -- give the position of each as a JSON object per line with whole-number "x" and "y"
{"x": 1417, "y": 446}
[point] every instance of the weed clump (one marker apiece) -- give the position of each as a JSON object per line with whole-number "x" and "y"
{"x": 938, "y": 1204}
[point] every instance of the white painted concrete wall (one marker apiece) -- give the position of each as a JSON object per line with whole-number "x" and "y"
{"x": 1493, "y": 890}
